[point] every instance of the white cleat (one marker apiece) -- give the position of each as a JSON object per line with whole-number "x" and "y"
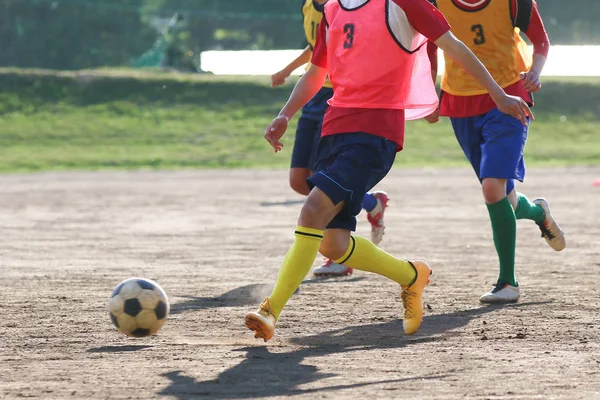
{"x": 329, "y": 268}
{"x": 550, "y": 229}
{"x": 502, "y": 293}
{"x": 375, "y": 217}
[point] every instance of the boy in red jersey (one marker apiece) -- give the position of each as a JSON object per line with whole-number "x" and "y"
{"x": 492, "y": 141}
{"x": 375, "y": 53}
{"x": 308, "y": 133}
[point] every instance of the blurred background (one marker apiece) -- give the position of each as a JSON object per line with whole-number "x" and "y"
{"x": 95, "y": 84}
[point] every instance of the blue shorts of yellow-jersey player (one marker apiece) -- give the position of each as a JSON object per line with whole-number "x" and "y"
{"x": 348, "y": 166}
{"x": 494, "y": 144}
{"x": 308, "y": 131}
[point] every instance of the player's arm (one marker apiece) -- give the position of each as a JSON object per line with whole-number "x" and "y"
{"x": 527, "y": 18}
{"x": 459, "y": 52}
{"x": 278, "y": 78}
{"x": 433, "y": 60}
{"x": 306, "y": 87}
{"x": 430, "y": 22}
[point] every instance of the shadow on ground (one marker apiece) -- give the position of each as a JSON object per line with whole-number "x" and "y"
{"x": 266, "y": 374}
{"x": 248, "y": 295}
{"x": 118, "y": 349}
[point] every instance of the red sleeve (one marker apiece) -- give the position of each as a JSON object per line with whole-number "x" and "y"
{"x": 526, "y": 17}
{"x": 432, "y": 53}
{"x": 425, "y": 18}
{"x": 319, "y": 55}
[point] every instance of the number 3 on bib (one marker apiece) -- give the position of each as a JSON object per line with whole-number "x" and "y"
{"x": 349, "y": 31}
{"x": 477, "y": 29}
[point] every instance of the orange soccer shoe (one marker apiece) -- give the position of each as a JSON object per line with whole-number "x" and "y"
{"x": 412, "y": 298}
{"x": 261, "y": 322}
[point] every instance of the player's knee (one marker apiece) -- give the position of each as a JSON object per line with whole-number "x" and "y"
{"x": 311, "y": 215}
{"x": 299, "y": 185}
{"x": 333, "y": 249}
{"x": 317, "y": 211}
{"x": 493, "y": 189}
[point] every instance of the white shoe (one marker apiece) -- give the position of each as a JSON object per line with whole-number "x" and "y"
{"x": 502, "y": 293}
{"x": 375, "y": 217}
{"x": 329, "y": 268}
{"x": 550, "y": 229}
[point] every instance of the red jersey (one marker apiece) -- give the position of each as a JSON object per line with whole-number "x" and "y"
{"x": 526, "y": 17}
{"x": 365, "y": 114}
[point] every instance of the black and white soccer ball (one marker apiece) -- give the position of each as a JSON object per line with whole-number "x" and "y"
{"x": 138, "y": 307}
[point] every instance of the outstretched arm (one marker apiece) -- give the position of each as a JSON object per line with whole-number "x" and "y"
{"x": 306, "y": 87}
{"x": 459, "y": 52}
{"x": 278, "y": 78}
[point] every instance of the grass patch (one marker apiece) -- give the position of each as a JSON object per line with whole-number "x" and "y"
{"x": 121, "y": 119}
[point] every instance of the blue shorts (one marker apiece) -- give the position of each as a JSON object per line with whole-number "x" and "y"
{"x": 348, "y": 166}
{"x": 493, "y": 143}
{"x": 308, "y": 131}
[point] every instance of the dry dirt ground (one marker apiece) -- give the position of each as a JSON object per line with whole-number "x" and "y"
{"x": 214, "y": 241}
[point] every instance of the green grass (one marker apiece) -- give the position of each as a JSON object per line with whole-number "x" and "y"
{"x": 120, "y": 119}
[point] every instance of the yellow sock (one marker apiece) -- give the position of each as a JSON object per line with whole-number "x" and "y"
{"x": 365, "y": 256}
{"x": 296, "y": 264}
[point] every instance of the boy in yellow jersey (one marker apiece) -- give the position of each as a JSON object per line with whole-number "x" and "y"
{"x": 308, "y": 134}
{"x": 492, "y": 141}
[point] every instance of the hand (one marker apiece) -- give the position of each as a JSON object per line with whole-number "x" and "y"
{"x": 515, "y": 107}
{"x": 275, "y": 131}
{"x": 531, "y": 81}
{"x": 433, "y": 117}
{"x": 278, "y": 78}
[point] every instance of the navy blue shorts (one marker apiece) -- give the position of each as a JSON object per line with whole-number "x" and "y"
{"x": 348, "y": 166}
{"x": 308, "y": 131}
{"x": 493, "y": 143}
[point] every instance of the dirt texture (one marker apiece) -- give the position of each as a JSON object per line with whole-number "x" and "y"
{"x": 214, "y": 241}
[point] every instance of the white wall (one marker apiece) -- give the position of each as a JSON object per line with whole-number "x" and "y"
{"x": 562, "y": 61}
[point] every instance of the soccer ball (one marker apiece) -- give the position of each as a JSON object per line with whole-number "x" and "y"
{"x": 138, "y": 307}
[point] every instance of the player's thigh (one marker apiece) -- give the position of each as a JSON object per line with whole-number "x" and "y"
{"x": 504, "y": 139}
{"x": 468, "y": 134}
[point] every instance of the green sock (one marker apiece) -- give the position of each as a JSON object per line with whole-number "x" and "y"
{"x": 504, "y": 227}
{"x": 528, "y": 210}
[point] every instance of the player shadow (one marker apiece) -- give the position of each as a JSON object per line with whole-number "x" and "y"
{"x": 242, "y": 296}
{"x": 390, "y": 334}
{"x": 265, "y": 374}
{"x": 247, "y": 295}
{"x": 119, "y": 349}
{"x": 281, "y": 203}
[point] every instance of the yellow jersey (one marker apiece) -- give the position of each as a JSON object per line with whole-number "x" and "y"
{"x": 488, "y": 30}
{"x": 311, "y": 18}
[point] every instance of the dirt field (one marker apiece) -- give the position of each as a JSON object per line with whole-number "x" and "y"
{"x": 214, "y": 241}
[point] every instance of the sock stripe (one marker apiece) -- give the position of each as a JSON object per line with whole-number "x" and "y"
{"x": 351, "y": 251}
{"x": 313, "y": 235}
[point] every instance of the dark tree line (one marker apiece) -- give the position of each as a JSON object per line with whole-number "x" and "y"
{"x": 73, "y": 34}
